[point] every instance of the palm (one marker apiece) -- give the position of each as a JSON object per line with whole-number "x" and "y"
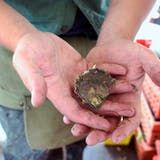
{"x": 48, "y": 67}
{"x": 125, "y": 53}
{"x": 67, "y": 67}
{"x": 136, "y": 59}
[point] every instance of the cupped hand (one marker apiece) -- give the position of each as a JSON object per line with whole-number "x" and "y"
{"x": 48, "y": 66}
{"x": 138, "y": 60}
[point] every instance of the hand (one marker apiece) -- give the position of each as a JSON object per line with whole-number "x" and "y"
{"x": 137, "y": 60}
{"x": 48, "y": 66}
{"x": 111, "y": 110}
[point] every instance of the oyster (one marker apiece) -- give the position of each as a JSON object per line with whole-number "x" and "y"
{"x": 93, "y": 86}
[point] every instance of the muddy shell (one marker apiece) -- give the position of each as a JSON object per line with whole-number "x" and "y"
{"x": 93, "y": 86}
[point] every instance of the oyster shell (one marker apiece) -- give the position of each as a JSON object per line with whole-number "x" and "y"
{"x": 93, "y": 86}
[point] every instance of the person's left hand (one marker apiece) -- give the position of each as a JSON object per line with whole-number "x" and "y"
{"x": 137, "y": 60}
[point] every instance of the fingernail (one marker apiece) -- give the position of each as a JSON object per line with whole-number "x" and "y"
{"x": 90, "y": 142}
{"x": 75, "y": 131}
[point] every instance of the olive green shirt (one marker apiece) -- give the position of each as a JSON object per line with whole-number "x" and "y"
{"x": 44, "y": 127}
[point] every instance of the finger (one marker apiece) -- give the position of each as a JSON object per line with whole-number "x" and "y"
{"x": 39, "y": 90}
{"x": 128, "y": 124}
{"x": 122, "y": 86}
{"x": 97, "y": 136}
{"x": 79, "y": 130}
{"x": 32, "y": 79}
{"x": 112, "y": 68}
{"x": 151, "y": 64}
{"x": 124, "y": 129}
{"x": 115, "y": 69}
{"x": 71, "y": 109}
{"x": 116, "y": 109}
{"x": 66, "y": 120}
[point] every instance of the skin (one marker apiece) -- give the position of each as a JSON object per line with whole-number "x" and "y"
{"x": 119, "y": 48}
{"x": 45, "y": 60}
{"x": 115, "y": 45}
{"x": 51, "y": 79}
{"x": 46, "y": 71}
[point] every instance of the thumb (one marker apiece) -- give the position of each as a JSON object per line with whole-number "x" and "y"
{"x": 151, "y": 65}
{"x": 38, "y": 90}
{"x": 32, "y": 78}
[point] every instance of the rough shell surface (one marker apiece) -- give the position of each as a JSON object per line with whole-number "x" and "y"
{"x": 93, "y": 86}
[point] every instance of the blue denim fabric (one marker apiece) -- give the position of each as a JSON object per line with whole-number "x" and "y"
{"x": 16, "y": 147}
{"x": 97, "y": 152}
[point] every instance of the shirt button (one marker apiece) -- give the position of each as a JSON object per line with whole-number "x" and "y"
{"x": 21, "y": 104}
{"x": 64, "y": 28}
{"x": 27, "y": 107}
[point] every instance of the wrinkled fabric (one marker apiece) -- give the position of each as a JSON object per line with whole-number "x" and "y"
{"x": 58, "y": 16}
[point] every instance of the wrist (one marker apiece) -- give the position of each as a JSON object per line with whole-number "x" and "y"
{"x": 124, "y": 19}
{"x": 13, "y": 26}
{"x": 18, "y": 35}
{"x": 107, "y": 36}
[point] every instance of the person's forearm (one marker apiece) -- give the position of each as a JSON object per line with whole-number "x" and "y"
{"x": 124, "y": 19}
{"x": 12, "y": 26}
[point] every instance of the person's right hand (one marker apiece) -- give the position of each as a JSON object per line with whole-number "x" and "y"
{"x": 48, "y": 66}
